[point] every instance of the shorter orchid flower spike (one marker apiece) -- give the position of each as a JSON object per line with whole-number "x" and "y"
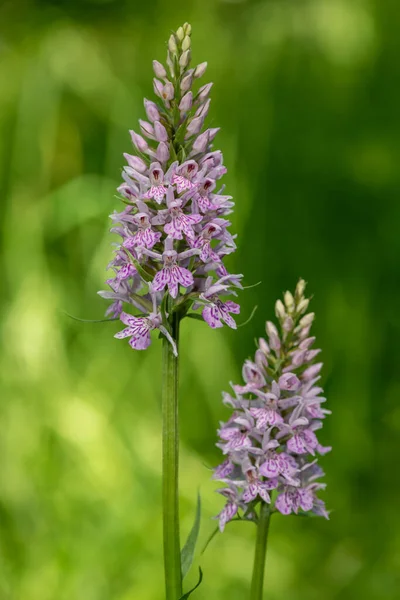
{"x": 269, "y": 443}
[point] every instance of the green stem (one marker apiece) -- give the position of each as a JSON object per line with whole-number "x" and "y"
{"x": 257, "y": 582}
{"x": 170, "y": 450}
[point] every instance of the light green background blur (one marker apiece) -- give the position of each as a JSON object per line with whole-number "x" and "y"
{"x": 307, "y": 95}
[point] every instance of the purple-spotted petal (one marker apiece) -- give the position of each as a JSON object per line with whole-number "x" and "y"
{"x": 251, "y": 493}
{"x": 141, "y": 340}
{"x": 284, "y": 503}
{"x": 212, "y": 317}
{"x": 127, "y": 332}
{"x": 270, "y": 468}
{"x": 297, "y": 445}
{"x": 306, "y": 499}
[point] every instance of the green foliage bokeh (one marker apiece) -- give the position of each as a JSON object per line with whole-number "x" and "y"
{"x": 307, "y": 96}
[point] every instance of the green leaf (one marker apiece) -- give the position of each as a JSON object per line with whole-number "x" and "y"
{"x": 194, "y": 316}
{"x": 211, "y": 537}
{"x": 180, "y": 133}
{"x": 188, "y": 549}
{"x": 90, "y": 320}
{"x": 181, "y": 154}
{"x": 185, "y": 596}
{"x": 144, "y": 274}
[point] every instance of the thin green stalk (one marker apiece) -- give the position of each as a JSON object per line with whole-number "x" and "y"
{"x": 257, "y": 582}
{"x": 170, "y": 450}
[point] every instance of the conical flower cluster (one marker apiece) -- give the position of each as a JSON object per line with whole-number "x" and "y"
{"x": 174, "y": 230}
{"x": 270, "y": 440}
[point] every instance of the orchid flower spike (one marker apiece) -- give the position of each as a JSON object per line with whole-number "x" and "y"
{"x": 173, "y": 232}
{"x": 269, "y": 442}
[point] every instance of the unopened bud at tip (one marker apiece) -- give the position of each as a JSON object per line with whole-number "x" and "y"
{"x": 180, "y": 34}
{"x": 289, "y": 301}
{"x": 280, "y": 310}
{"x": 186, "y": 43}
{"x": 300, "y": 288}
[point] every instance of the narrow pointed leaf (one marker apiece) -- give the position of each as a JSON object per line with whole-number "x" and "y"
{"x": 188, "y": 549}
{"x": 194, "y": 316}
{"x": 90, "y": 320}
{"x": 185, "y": 596}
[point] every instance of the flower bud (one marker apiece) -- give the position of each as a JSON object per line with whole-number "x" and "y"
{"x": 184, "y": 59}
{"x": 300, "y": 288}
{"x": 280, "y": 310}
{"x": 194, "y": 127}
{"x": 311, "y": 354}
{"x": 172, "y": 47}
{"x": 162, "y": 152}
{"x": 203, "y": 92}
{"x": 186, "y": 82}
{"x": 273, "y": 336}
{"x": 151, "y": 110}
{"x": 200, "y": 70}
{"x": 186, "y": 102}
{"x": 147, "y": 129}
{"x": 261, "y": 359}
{"x": 288, "y": 324}
{"x": 305, "y": 344}
{"x": 312, "y": 371}
{"x": 307, "y": 320}
{"x": 158, "y": 88}
{"x": 289, "y": 301}
{"x": 213, "y": 132}
{"x": 186, "y": 43}
{"x": 203, "y": 109}
{"x": 200, "y": 144}
{"x": 135, "y": 162}
{"x": 159, "y": 70}
{"x": 180, "y": 34}
{"x": 298, "y": 357}
{"x": 289, "y": 382}
{"x": 270, "y": 328}
{"x": 303, "y": 333}
{"x": 139, "y": 142}
{"x": 303, "y": 305}
{"x": 263, "y": 345}
{"x": 160, "y": 132}
{"x": 168, "y": 91}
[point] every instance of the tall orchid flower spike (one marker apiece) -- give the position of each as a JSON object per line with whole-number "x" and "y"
{"x": 170, "y": 189}
{"x": 173, "y": 239}
{"x": 269, "y": 442}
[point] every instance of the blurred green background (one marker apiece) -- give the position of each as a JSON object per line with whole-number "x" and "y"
{"x": 307, "y": 94}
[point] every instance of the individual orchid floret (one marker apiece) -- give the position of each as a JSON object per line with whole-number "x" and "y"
{"x": 270, "y": 444}
{"x": 138, "y": 329}
{"x": 174, "y": 234}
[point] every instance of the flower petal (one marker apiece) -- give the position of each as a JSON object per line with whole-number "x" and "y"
{"x": 211, "y": 317}
{"x": 284, "y": 503}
